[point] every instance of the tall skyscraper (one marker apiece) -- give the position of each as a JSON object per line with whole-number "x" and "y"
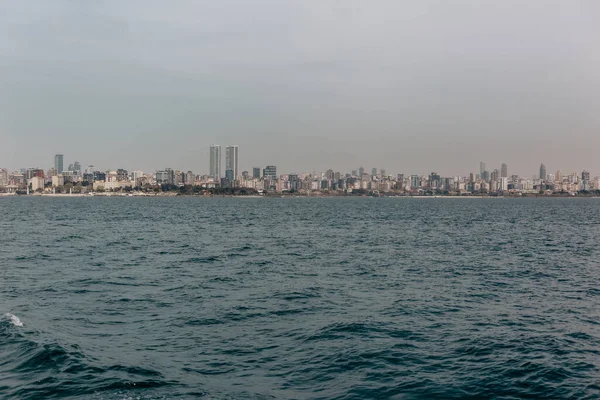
{"x": 256, "y": 172}
{"x": 543, "y": 172}
{"x": 481, "y": 168}
{"x": 58, "y": 163}
{"x": 361, "y": 171}
{"x": 215, "y": 162}
{"x": 504, "y": 171}
{"x": 231, "y": 162}
{"x": 374, "y": 172}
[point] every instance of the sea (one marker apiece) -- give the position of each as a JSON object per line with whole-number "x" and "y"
{"x": 299, "y": 298}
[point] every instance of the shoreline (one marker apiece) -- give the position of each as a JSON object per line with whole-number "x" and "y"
{"x": 284, "y": 196}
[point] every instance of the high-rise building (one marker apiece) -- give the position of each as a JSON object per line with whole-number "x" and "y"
{"x": 256, "y": 172}
{"x": 494, "y": 175}
{"x": 414, "y": 182}
{"x": 294, "y": 181}
{"x": 374, "y": 172}
{"x": 481, "y": 168}
{"x": 361, "y": 172}
{"x": 58, "y": 163}
{"x": 585, "y": 176}
{"x": 543, "y": 172}
{"x": 231, "y": 162}
{"x": 270, "y": 172}
{"x": 504, "y": 171}
{"x": 215, "y": 162}
{"x": 503, "y": 183}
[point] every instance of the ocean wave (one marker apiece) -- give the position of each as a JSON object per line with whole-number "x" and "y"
{"x": 13, "y": 319}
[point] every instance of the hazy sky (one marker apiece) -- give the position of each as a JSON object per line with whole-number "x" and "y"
{"x": 410, "y": 86}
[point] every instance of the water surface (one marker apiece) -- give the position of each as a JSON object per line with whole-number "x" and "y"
{"x": 335, "y": 298}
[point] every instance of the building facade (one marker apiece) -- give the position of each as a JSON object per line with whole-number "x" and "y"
{"x": 231, "y": 162}
{"x": 58, "y": 163}
{"x": 215, "y": 162}
{"x": 270, "y": 172}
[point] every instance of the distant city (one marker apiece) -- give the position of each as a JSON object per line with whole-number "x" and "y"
{"x": 76, "y": 179}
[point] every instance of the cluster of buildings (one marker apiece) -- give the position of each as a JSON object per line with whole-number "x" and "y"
{"x": 264, "y": 180}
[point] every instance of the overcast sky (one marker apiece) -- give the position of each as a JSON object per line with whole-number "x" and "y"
{"x": 410, "y": 86}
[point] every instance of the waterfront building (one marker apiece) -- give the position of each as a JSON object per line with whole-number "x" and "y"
{"x": 3, "y": 177}
{"x": 135, "y": 175}
{"x": 558, "y": 176}
{"x": 585, "y": 176}
{"x": 543, "y": 172}
{"x": 270, "y": 172}
{"x": 122, "y": 174}
{"x": 495, "y": 175}
{"x": 295, "y": 183}
{"x": 166, "y": 176}
{"x": 585, "y": 181}
{"x": 58, "y": 163}
{"x": 75, "y": 167}
{"x": 256, "y": 173}
{"x": 58, "y": 180}
{"x": 481, "y": 168}
{"x": 231, "y": 162}
{"x": 31, "y": 172}
{"x": 504, "y": 171}
{"x": 99, "y": 176}
{"x": 36, "y": 182}
{"x": 361, "y": 172}
{"x": 189, "y": 178}
{"x": 215, "y": 162}
{"x": 414, "y": 182}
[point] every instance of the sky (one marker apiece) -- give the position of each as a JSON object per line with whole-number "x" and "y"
{"x": 412, "y": 86}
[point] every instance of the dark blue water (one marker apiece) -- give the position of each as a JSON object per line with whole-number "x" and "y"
{"x": 137, "y": 298}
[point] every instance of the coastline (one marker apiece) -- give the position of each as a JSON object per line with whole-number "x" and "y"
{"x": 276, "y": 196}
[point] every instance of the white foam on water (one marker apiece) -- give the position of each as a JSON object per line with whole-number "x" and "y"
{"x": 13, "y": 319}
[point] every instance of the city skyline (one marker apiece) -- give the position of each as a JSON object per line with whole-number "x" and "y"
{"x": 337, "y": 85}
{"x": 218, "y": 167}
{"x": 232, "y": 172}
